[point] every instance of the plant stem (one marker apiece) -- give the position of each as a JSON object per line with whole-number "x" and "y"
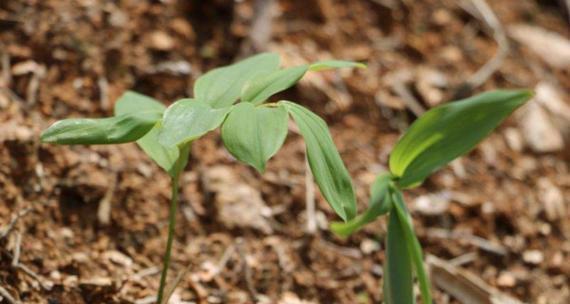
{"x": 171, "y": 228}
{"x": 413, "y": 245}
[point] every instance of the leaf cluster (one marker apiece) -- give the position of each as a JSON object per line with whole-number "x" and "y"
{"x": 434, "y": 139}
{"x": 233, "y": 98}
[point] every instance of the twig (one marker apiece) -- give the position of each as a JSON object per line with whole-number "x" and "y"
{"x": 260, "y": 32}
{"x": 6, "y": 75}
{"x": 6, "y": 230}
{"x": 225, "y": 258}
{"x": 169, "y": 290}
{"x": 411, "y": 102}
{"x": 8, "y": 296}
{"x": 146, "y": 300}
{"x": 33, "y": 86}
{"x": 145, "y": 272}
{"x": 469, "y": 238}
{"x": 104, "y": 210}
{"x": 246, "y": 270}
{"x": 310, "y": 199}
{"x": 346, "y": 251}
{"x": 464, "y": 285}
{"x": 484, "y": 12}
{"x": 463, "y": 259}
{"x": 17, "y": 246}
{"x": 103, "y": 85}
{"x": 45, "y": 284}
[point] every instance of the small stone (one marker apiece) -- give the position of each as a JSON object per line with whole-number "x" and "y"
{"x": 506, "y": 279}
{"x": 433, "y": 204}
{"x": 514, "y": 139}
{"x": 160, "y": 40}
{"x": 534, "y": 257}
{"x": 368, "y": 246}
{"x": 552, "y": 199}
{"x": 538, "y": 130}
{"x": 118, "y": 258}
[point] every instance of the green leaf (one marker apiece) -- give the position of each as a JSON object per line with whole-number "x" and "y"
{"x": 89, "y": 131}
{"x": 398, "y": 278}
{"x": 133, "y": 102}
{"x": 326, "y": 165}
{"x": 335, "y": 64}
{"x": 412, "y": 244}
{"x": 259, "y": 88}
{"x": 379, "y": 204}
{"x": 189, "y": 119}
{"x": 448, "y": 131}
{"x": 163, "y": 156}
{"x": 221, "y": 87}
{"x": 254, "y": 134}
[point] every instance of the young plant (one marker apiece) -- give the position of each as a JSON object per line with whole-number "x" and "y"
{"x": 434, "y": 139}
{"x": 252, "y": 130}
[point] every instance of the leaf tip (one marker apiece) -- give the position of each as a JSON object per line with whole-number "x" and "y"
{"x": 360, "y": 65}
{"x": 260, "y": 168}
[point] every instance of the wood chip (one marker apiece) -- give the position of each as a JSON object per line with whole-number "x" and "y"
{"x": 238, "y": 204}
{"x": 552, "y": 47}
{"x": 538, "y": 130}
{"x": 464, "y": 285}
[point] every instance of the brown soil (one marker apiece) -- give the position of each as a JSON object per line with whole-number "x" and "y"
{"x": 503, "y": 208}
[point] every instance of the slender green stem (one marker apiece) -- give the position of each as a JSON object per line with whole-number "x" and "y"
{"x": 171, "y": 228}
{"x": 413, "y": 246}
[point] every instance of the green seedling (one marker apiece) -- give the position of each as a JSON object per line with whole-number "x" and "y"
{"x": 233, "y": 97}
{"x": 434, "y": 139}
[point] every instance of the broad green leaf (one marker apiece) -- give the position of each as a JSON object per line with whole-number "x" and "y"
{"x": 398, "y": 278}
{"x": 221, "y": 87}
{"x": 189, "y": 119}
{"x": 163, "y": 156}
{"x": 412, "y": 244}
{"x": 379, "y": 204}
{"x": 254, "y": 134}
{"x": 92, "y": 131}
{"x": 335, "y": 64}
{"x": 132, "y": 102}
{"x": 259, "y": 88}
{"x": 448, "y": 131}
{"x": 326, "y": 165}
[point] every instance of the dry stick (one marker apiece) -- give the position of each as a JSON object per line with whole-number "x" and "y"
{"x": 310, "y": 199}
{"x": 103, "y": 85}
{"x": 104, "y": 210}
{"x": 45, "y": 284}
{"x": 17, "y": 246}
{"x": 8, "y": 296}
{"x": 247, "y": 270}
{"x": 260, "y": 32}
{"x": 411, "y": 102}
{"x": 5, "y": 231}
{"x": 491, "y": 20}
{"x": 169, "y": 290}
{"x": 6, "y": 69}
{"x": 33, "y": 86}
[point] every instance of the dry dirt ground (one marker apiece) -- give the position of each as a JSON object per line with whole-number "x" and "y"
{"x": 87, "y": 224}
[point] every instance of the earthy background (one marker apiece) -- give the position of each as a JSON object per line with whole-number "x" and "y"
{"x": 88, "y": 224}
